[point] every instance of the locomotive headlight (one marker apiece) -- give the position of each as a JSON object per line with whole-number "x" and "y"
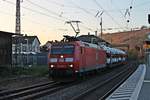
{"x": 71, "y": 65}
{"x": 52, "y": 66}
{"x": 61, "y": 56}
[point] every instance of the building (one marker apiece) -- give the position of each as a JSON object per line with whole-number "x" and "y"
{"x": 26, "y": 45}
{"x": 132, "y": 38}
{"x": 25, "y": 50}
{"x": 5, "y": 48}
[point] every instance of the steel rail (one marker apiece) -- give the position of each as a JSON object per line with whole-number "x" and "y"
{"x": 116, "y": 86}
{"x": 26, "y": 91}
{"x": 7, "y": 92}
{"x": 49, "y": 91}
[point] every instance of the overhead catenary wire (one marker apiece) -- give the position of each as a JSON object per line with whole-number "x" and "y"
{"x": 35, "y": 11}
{"x": 81, "y": 8}
{"x": 51, "y": 11}
{"x": 132, "y": 2}
{"x": 87, "y": 12}
{"x": 56, "y": 3}
{"x": 44, "y": 14}
{"x": 136, "y": 6}
{"x": 127, "y": 14}
{"x": 30, "y": 20}
{"x": 41, "y": 24}
{"x": 116, "y": 6}
{"x": 60, "y": 4}
{"x": 97, "y": 3}
{"x": 91, "y": 14}
{"x": 27, "y": 19}
{"x": 87, "y": 9}
{"x": 58, "y": 15}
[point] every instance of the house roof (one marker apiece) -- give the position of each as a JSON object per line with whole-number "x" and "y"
{"x": 30, "y": 39}
{"x": 24, "y": 41}
{"x": 7, "y": 33}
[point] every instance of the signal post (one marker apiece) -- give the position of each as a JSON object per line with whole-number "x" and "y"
{"x": 146, "y": 46}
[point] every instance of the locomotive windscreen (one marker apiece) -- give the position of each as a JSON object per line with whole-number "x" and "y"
{"x": 62, "y": 49}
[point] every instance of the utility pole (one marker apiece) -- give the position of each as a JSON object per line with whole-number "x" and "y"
{"x": 77, "y": 31}
{"x": 101, "y": 23}
{"x": 18, "y": 21}
{"x": 147, "y": 49}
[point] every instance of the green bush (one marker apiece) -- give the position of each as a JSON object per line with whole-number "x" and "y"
{"x": 132, "y": 54}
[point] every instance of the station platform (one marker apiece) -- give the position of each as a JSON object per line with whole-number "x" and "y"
{"x": 136, "y": 87}
{"x": 145, "y": 90}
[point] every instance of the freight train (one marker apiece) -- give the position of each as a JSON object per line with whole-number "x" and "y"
{"x": 75, "y": 56}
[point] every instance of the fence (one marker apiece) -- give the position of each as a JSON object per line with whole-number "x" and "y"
{"x": 30, "y": 59}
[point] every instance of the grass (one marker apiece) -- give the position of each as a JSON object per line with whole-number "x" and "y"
{"x": 9, "y": 71}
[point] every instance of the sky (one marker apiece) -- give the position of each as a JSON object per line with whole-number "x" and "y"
{"x": 47, "y": 18}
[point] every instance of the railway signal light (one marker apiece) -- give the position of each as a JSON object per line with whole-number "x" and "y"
{"x": 146, "y": 44}
{"x": 149, "y": 18}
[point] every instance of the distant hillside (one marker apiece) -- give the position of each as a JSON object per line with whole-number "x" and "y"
{"x": 132, "y": 38}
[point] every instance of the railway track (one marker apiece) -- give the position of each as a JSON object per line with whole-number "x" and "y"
{"x": 1, "y": 90}
{"x": 40, "y": 90}
{"x": 100, "y": 90}
{"x": 31, "y": 92}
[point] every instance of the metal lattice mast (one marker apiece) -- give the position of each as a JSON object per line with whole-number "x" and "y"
{"x": 18, "y": 38}
{"x": 18, "y": 21}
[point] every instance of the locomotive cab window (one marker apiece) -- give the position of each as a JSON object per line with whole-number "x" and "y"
{"x": 65, "y": 49}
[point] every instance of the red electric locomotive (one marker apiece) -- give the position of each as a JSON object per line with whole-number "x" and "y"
{"x": 73, "y": 57}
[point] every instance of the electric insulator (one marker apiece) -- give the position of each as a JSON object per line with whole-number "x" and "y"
{"x": 130, "y": 7}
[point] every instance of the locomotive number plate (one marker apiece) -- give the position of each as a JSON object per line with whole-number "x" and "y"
{"x": 61, "y": 60}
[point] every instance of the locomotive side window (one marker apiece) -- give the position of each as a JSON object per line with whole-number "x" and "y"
{"x": 81, "y": 50}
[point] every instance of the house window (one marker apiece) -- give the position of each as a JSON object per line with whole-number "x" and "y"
{"x": 23, "y": 48}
